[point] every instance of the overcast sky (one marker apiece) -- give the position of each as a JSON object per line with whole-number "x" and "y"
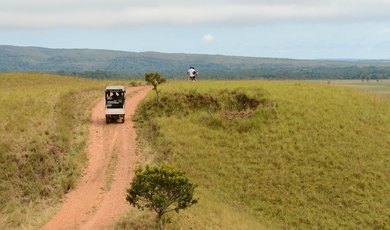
{"x": 302, "y": 29}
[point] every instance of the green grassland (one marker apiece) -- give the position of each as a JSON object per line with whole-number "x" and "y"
{"x": 43, "y": 129}
{"x": 381, "y": 87}
{"x": 265, "y": 154}
{"x": 274, "y": 154}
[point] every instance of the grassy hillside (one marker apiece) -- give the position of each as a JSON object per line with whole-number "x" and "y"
{"x": 272, "y": 154}
{"x": 43, "y": 129}
{"x": 266, "y": 154}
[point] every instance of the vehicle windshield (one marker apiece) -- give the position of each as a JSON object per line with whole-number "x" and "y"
{"x": 115, "y": 98}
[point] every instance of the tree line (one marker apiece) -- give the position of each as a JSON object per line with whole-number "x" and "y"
{"x": 106, "y": 64}
{"x": 297, "y": 73}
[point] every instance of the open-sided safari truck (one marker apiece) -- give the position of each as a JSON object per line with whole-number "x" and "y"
{"x": 115, "y": 103}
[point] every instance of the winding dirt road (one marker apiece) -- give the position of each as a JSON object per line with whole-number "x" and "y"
{"x": 99, "y": 197}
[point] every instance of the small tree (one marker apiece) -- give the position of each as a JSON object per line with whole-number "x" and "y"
{"x": 162, "y": 189}
{"x": 154, "y": 79}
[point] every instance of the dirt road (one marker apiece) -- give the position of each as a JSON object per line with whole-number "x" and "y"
{"x": 99, "y": 197}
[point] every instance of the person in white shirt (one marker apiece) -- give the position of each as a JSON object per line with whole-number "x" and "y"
{"x": 192, "y": 73}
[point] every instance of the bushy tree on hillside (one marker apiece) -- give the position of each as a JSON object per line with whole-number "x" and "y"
{"x": 162, "y": 189}
{"x": 154, "y": 79}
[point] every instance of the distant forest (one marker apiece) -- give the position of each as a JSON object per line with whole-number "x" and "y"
{"x": 108, "y": 64}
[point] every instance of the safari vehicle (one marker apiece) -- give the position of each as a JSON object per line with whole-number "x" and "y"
{"x": 115, "y": 103}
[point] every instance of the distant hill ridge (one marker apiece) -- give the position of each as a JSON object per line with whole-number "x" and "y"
{"x": 27, "y": 59}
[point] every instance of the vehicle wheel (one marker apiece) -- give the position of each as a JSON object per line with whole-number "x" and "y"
{"x": 123, "y": 120}
{"x": 107, "y": 120}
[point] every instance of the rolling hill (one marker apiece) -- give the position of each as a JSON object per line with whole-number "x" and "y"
{"x": 105, "y": 62}
{"x": 298, "y": 155}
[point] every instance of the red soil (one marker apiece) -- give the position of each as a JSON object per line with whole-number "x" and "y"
{"x": 91, "y": 205}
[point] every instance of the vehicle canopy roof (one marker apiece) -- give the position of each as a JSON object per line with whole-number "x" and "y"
{"x": 115, "y": 88}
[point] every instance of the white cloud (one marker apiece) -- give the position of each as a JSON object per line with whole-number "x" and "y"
{"x": 208, "y": 38}
{"x": 384, "y": 31}
{"x": 134, "y": 13}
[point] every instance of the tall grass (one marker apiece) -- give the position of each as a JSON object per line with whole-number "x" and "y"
{"x": 302, "y": 156}
{"x": 380, "y": 86}
{"x": 43, "y": 129}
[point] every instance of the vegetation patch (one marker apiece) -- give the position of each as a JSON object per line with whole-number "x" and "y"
{"x": 237, "y": 115}
{"x": 309, "y": 156}
{"x": 43, "y": 132}
{"x": 229, "y": 105}
{"x": 111, "y": 171}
